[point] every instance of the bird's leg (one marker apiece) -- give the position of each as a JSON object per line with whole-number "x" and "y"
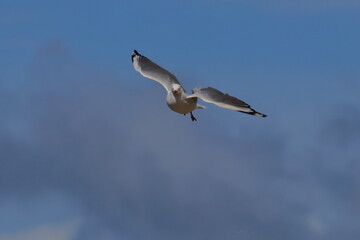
{"x": 192, "y": 117}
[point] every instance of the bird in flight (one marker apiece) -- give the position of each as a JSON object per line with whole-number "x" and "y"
{"x": 178, "y": 100}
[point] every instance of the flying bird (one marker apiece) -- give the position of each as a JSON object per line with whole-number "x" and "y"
{"x": 178, "y": 100}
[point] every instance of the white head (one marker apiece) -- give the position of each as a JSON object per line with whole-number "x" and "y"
{"x": 176, "y": 89}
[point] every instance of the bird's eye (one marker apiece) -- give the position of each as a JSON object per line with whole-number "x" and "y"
{"x": 175, "y": 92}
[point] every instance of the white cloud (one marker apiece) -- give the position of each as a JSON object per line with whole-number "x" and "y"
{"x": 316, "y": 225}
{"x": 54, "y": 231}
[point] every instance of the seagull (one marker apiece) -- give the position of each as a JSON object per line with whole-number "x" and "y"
{"x": 178, "y": 100}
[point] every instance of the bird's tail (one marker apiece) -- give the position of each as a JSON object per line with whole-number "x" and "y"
{"x": 198, "y": 106}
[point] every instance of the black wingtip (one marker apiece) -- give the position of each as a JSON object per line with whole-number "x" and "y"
{"x": 258, "y": 114}
{"x": 255, "y": 113}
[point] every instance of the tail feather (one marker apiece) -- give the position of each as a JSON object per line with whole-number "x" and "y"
{"x": 198, "y": 106}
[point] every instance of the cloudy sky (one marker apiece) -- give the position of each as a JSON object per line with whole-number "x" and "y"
{"x": 89, "y": 150}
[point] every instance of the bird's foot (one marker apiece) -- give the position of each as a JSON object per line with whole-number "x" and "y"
{"x": 192, "y": 117}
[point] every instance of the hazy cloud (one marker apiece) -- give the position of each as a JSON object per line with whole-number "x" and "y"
{"x": 139, "y": 171}
{"x": 57, "y": 231}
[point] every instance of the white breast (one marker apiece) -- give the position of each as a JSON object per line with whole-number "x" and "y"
{"x": 181, "y": 104}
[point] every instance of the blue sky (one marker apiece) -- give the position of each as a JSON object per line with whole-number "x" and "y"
{"x": 89, "y": 149}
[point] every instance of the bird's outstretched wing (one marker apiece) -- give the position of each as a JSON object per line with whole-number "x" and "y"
{"x": 220, "y": 99}
{"x": 151, "y": 70}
